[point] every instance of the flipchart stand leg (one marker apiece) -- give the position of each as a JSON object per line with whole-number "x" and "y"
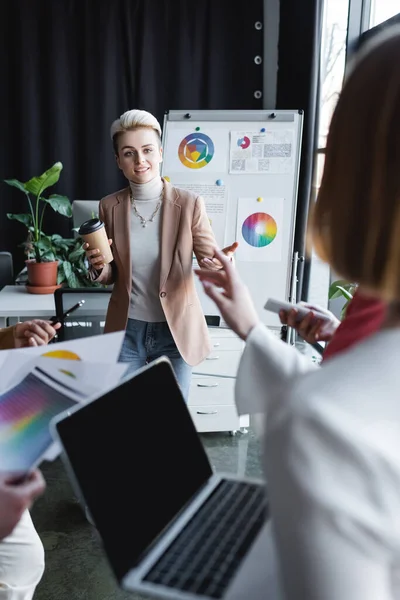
{"x": 291, "y": 334}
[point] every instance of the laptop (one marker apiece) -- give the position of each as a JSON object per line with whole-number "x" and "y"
{"x": 170, "y": 527}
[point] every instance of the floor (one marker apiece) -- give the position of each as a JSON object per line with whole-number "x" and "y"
{"x": 75, "y": 565}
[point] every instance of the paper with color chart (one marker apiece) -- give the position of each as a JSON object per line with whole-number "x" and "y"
{"x": 215, "y": 200}
{"x": 103, "y": 348}
{"x": 196, "y": 152}
{"x": 268, "y": 152}
{"x": 259, "y": 230}
{"x": 39, "y": 390}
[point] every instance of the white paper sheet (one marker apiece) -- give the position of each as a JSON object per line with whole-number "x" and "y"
{"x": 194, "y": 152}
{"x": 256, "y": 152}
{"x": 259, "y": 230}
{"x": 215, "y": 199}
{"x": 86, "y": 377}
{"x": 103, "y": 348}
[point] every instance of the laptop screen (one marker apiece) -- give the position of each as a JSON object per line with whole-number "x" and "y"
{"x": 138, "y": 460}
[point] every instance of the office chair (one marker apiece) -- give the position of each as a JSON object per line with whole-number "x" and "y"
{"x": 86, "y": 321}
{"x": 6, "y": 269}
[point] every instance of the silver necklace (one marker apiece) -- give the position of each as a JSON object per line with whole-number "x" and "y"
{"x": 142, "y": 220}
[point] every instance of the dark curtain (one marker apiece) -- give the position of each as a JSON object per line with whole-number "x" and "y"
{"x": 70, "y": 67}
{"x": 300, "y": 32}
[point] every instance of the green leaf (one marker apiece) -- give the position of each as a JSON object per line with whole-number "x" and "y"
{"x": 337, "y": 294}
{"x": 73, "y": 281}
{"x": 334, "y": 292}
{"x": 67, "y": 268}
{"x": 60, "y": 276}
{"x": 61, "y": 247}
{"x": 17, "y": 184}
{"x": 60, "y": 204}
{"x": 70, "y": 275}
{"x": 44, "y": 244}
{"x": 345, "y": 293}
{"x": 26, "y": 219}
{"x": 48, "y": 256}
{"x": 76, "y": 255}
{"x": 37, "y": 185}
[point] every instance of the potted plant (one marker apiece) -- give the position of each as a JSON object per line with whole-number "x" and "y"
{"x": 42, "y": 263}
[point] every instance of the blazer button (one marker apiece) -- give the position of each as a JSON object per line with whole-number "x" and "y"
{"x": 163, "y": 294}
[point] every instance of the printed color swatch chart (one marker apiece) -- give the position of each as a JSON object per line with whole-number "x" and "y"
{"x": 25, "y": 414}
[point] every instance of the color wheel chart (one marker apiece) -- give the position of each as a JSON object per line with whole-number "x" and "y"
{"x": 196, "y": 150}
{"x": 259, "y": 229}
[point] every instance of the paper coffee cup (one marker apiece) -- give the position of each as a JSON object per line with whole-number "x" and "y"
{"x": 94, "y": 233}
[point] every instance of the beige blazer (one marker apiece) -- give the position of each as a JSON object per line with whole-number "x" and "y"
{"x": 185, "y": 229}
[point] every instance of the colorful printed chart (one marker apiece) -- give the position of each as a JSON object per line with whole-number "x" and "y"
{"x": 243, "y": 142}
{"x": 25, "y": 413}
{"x": 259, "y": 229}
{"x": 196, "y": 150}
{"x": 64, "y": 354}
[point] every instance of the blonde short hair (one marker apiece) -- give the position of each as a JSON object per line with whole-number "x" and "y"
{"x": 355, "y": 224}
{"x": 131, "y": 120}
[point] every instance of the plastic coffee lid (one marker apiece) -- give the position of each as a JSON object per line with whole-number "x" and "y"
{"x": 90, "y": 226}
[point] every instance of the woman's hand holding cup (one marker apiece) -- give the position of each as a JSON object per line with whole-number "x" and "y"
{"x": 94, "y": 256}
{"x": 96, "y": 243}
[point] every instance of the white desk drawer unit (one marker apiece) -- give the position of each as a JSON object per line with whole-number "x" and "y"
{"x": 220, "y": 362}
{"x": 216, "y": 418}
{"x": 212, "y": 391}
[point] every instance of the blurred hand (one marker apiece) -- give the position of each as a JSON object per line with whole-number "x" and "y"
{"x": 310, "y": 328}
{"x": 34, "y": 333}
{"x": 230, "y": 295}
{"x": 94, "y": 257}
{"x": 213, "y": 263}
{"x": 16, "y": 497}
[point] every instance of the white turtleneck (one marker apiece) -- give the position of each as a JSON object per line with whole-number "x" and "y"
{"x": 145, "y": 302}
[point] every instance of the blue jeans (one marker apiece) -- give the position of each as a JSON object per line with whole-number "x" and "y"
{"x": 144, "y": 342}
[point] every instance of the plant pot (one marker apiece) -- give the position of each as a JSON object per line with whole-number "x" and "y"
{"x": 42, "y": 275}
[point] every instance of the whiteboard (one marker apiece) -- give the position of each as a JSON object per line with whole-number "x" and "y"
{"x": 245, "y": 164}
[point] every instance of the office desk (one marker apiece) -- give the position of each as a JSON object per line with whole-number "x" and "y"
{"x": 17, "y": 303}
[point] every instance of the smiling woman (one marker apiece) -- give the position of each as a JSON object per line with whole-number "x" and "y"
{"x": 154, "y": 228}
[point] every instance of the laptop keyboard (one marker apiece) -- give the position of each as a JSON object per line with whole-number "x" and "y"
{"x": 205, "y": 555}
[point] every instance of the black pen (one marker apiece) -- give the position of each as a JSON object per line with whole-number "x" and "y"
{"x": 61, "y": 319}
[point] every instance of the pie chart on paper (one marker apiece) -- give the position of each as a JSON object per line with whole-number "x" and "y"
{"x": 243, "y": 142}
